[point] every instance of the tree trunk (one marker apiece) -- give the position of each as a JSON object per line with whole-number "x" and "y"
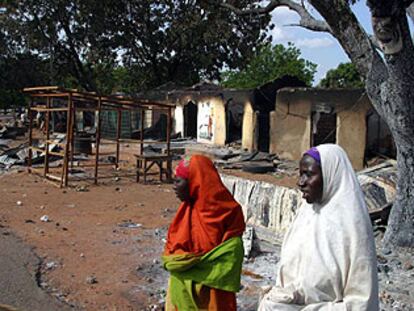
{"x": 391, "y": 90}
{"x": 390, "y": 86}
{"x": 400, "y": 229}
{"x": 410, "y": 12}
{"x": 397, "y": 108}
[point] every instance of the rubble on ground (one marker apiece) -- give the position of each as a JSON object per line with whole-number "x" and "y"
{"x": 19, "y": 155}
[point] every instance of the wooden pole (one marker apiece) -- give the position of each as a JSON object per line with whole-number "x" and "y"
{"x": 98, "y": 139}
{"x": 65, "y": 171}
{"x": 29, "y": 160}
{"x": 118, "y": 136}
{"x": 47, "y": 121}
{"x": 169, "y": 126}
{"x": 72, "y": 134}
{"x": 141, "y": 149}
{"x": 168, "y": 131}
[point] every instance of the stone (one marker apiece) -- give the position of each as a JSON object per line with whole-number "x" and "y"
{"x": 248, "y": 237}
{"x": 82, "y": 188}
{"x": 91, "y": 279}
{"x": 51, "y": 265}
{"x": 384, "y": 268}
{"x": 386, "y": 251}
{"x": 407, "y": 265}
{"x": 45, "y": 218}
{"x": 381, "y": 259}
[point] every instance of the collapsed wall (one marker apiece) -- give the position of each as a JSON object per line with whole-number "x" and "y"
{"x": 267, "y": 207}
{"x": 270, "y": 208}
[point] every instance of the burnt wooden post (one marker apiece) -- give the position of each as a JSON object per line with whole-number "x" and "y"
{"x": 169, "y": 125}
{"x": 29, "y": 160}
{"x": 72, "y": 133}
{"x": 69, "y": 130}
{"x": 118, "y": 136}
{"x": 47, "y": 120}
{"x": 98, "y": 139}
{"x": 141, "y": 149}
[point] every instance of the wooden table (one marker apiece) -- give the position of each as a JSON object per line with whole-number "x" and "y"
{"x": 146, "y": 161}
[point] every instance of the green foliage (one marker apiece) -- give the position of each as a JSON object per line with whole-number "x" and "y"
{"x": 270, "y": 63}
{"x": 11, "y": 99}
{"x": 128, "y": 80}
{"x": 158, "y": 41}
{"x": 344, "y": 76}
{"x": 17, "y": 72}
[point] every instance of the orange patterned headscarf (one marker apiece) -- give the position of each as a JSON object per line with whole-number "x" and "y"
{"x": 212, "y": 217}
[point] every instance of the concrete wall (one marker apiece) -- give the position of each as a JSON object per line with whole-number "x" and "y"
{"x": 351, "y": 132}
{"x": 290, "y": 127}
{"x": 219, "y": 122}
{"x": 290, "y": 123}
{"x": 211, "y": 112}
{"x": 178, "y": 121}
{"x": 249, "y": 133}
{"x": 205, "y": 121}
{"x": 211, "y": 121}
{"x": 148, "y": 118}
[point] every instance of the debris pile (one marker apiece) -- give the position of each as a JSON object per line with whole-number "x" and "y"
{"x": 19, "y": 155}
{"x": 252, "y": 162}
{"x": 12, "y": 130}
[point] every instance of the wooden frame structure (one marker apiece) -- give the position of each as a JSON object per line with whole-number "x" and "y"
{"x": 49, "y": 99}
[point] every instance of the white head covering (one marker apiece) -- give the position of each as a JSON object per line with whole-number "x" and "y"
{"x": 328, "y": 259}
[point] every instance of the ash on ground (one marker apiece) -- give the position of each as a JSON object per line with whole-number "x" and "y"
{"x": 395, "y": 274}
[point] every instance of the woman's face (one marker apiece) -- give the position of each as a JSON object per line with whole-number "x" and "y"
{"x": 310, "y": 179}
{"x": 181, "y": 189}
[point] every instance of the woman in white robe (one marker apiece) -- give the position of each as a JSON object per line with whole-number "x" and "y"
{"x": 328, "y": 259}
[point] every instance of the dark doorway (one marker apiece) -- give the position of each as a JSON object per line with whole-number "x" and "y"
{"x": 323, "y": 128}
{"x": 265, "y": 102}
{"x": 263, "y": 122}
{"x": 234, "y": 121}
{"x": 190, "y": 120}
{"x": 379, "y": 138}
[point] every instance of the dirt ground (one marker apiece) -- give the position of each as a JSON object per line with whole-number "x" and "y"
{"x": 83, "y": 241}
{"x": 87, "y": 239}
{"x": 100, "y": 248}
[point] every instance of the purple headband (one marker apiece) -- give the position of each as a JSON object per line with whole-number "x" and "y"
{"x": 314, "y": 153}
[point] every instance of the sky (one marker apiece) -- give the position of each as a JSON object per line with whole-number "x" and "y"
{"x": 320, "y": 48}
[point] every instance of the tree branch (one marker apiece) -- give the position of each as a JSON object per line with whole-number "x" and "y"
{"x": 408, "y": 3}
{"x": 306, "y": 19}
{"x": 348, "y": 31}
{"x": 410, "y": 12}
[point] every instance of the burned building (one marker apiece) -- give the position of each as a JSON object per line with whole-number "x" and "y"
{"x": 216, "y": 115}
{"x": 210, "y": 113}
{"x": 306, "y": 117}
{"x": 256, "y": 123}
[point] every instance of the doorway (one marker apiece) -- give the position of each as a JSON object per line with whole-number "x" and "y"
{"x": 234, "y": 121}
{"x": 190, "y": 120}
{"x": 323, "y": 128}
{"x": 379, "y": 139}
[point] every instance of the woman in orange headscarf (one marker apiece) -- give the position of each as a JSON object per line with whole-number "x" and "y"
{"x": 204, "y": 250}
